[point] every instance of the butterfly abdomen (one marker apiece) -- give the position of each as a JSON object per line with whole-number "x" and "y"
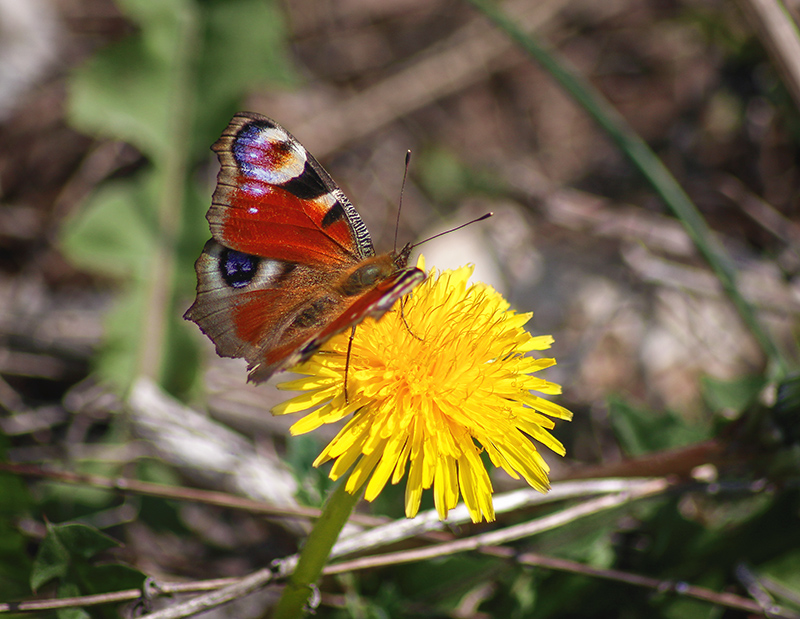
{"x": 314, "y": 313}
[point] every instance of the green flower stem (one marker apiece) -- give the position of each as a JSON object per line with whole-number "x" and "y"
{"x": 315, "y": 553}
{"x": 174, "y": 164}
{"x": 649, "y": 165}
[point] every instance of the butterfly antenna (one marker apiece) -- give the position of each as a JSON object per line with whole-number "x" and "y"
{"x": 400, "y": 206}
{"x": 436, "y": 236}
{"x": 347, "y": 363}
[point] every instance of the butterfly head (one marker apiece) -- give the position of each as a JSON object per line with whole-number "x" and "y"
{"x": 401, "y": 257}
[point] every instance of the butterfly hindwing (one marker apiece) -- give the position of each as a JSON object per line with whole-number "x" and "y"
{"x": 243, "y": 306}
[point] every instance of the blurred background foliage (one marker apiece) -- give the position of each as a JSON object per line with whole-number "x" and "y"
{"x": 107, "y": 112}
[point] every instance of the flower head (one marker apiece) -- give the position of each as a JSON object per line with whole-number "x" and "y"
{"x": 434, "y": 386}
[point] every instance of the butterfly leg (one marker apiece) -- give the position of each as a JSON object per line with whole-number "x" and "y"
{"x": 403, "y": 316}
{"x": 347, "y": 362}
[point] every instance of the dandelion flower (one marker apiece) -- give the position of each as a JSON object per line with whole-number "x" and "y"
{"x": 433, "y": 394}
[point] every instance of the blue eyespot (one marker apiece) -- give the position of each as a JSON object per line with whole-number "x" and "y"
{"x": 237, "y": 269}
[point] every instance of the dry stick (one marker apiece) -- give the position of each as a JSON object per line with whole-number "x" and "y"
{"x": 779, "y": 35}
{"x": 729, "y": 600}
{"x": 427, "y": 525}
{"x": 201, "y": 603}
{"x": 722, "y": 599}
{"x": 754, "y": 587}
{"x": 509, "y": 534}
{"x": 178, "y": 493}
{"x": 679, "y": 461}
{"x": 389, "y": 531}
{"x": 760, "y": 211}
{"x": 115, "y": 597}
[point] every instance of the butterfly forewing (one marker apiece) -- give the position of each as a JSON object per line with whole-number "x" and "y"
{"x": 271, "y": 189}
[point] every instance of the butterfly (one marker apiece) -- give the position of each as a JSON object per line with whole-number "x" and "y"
{"x": 290, "y": 262}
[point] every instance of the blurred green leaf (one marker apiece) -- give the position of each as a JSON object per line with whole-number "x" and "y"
{"x": 642, "y": 431}
{"x": 15, "y": 503}
{"x": 63, "y": 547}
{"x": 447, "y": 179}
{"x": 68, "y": 554}
{"x": 108, "y": 577}
{"x": 443, "y": 582}
{"x": 786, "y": 411}
{"x": 115, "y": 232}
{"x": 69, "y": 590}
{"x": 123, "y": 327}
{"x": 313, "y": 482}
{"x": 244, "y": 45}
{"x": 126, "y": 91}
{"x": 784, "y": 569}
{"x": 736, "y": 395}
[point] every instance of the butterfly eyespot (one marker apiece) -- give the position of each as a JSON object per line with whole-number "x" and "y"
{"x": 237, "y": 269}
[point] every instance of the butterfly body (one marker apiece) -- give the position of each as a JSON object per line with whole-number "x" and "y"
{"x": 290, "y": 262}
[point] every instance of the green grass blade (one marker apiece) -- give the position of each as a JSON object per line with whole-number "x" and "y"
{"x": 649, "y": 165}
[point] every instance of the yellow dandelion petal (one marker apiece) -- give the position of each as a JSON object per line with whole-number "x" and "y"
{"x": 400, "y": 464}
{"x": 547, "y": 407}
{"x": 519, "y": 320}
{"x": 545, "y": 438}
{"x": 476, "y": 487}
{"x": 445, "y": 492}
{"x": 342, "y": 462}
{"x": 430, "y": 388}
{"x": 527, "y": 365}
{"x": 302, "y": 402}
{"x": 362, "y": 471}
{"x": 539, "y": 342}
{"x": 350, "y": 438}
{"x": 384, "y": 469}
{"x": 428, "y": 456}
{"x": 414, "y": 483}
{"x": 327, "y": 414}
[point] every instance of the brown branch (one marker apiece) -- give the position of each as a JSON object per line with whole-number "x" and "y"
{"x": 178, "y": 493}
{"x": 681, "y": 462}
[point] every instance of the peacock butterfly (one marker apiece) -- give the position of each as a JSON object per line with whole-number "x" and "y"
{"x": 290, "y": 262}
